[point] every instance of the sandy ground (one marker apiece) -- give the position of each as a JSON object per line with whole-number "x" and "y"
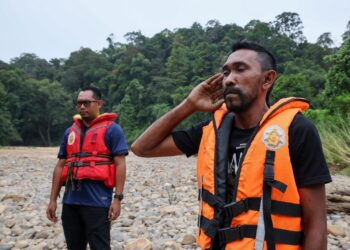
{"x": 142, "y": 217}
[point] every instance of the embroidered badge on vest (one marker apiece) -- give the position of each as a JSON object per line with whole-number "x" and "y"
{"x": 71, "y": 138}
{"x": 274, "y": 137}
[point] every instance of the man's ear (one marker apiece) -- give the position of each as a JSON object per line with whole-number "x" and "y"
{"x": 100, "y": 103}
{"x": 269, "y": 79}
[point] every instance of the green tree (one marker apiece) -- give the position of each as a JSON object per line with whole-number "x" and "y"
{"x": 131, "y": 111}
{"x": 337, "y": 89}
{"x": 178, "y": 63}
{"x": 8, "y": 132}
{"x": 83, "y": 68}
{"x": 259, "y": 31}
{"x": 46, "y": 111}
{"x": 202, "y": 64}
{"x": 290, "y": 25}
{"x": 34, "y": 66}
{"x": 325, "y": 40}
{"x": 346, "y": 34}
{"x": 292, "y": 85}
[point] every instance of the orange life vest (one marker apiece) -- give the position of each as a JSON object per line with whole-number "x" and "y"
{"x": 266, "y": 212}
{"x": 92, "y": 159}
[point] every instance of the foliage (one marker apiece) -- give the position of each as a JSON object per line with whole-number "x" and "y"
{"x": 337, "y": 89}
{"x": 8, "y": 132}
{"x": 145, "y": 77}
{"x": 335, "y": 136}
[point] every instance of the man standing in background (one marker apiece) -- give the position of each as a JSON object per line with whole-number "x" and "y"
{"x": 91, "y": 164}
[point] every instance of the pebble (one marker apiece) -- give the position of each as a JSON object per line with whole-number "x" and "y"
{"x": 159, "y": 211}
{"x": 10, "y": 223}
{"x": 139, "y": 244}
{"x": 6, "y": 246}
{"x": 335, "y": 230}
{"x": 2, "y": 209}
{"x": 188, "y": 239}
{"x": 22, "y": 244}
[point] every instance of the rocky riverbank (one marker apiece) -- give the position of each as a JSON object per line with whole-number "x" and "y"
{"x": 159, "y": 210}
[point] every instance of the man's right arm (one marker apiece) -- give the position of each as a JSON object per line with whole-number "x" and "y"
{"x": 56, "y": 187}
{"x": 157, "y": 139}
{"x": 55, "y": 190}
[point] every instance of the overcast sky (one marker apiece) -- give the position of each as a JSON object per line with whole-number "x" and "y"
{"x": 54, "y": 29}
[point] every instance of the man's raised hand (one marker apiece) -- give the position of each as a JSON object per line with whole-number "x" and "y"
{"x": 206, "y": 96}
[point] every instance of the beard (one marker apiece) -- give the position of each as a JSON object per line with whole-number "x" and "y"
{"x": 86, "y": 117}
{"x": 243, "y": 103}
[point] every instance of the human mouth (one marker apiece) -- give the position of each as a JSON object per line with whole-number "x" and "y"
{"x": 232, "y": 91}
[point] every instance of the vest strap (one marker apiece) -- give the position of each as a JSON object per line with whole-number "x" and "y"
{"x": 270, "y": 182}
{"x": 236, "y": 208}
{"x": 253, "y": 203}
{"x": 213, "y": 200}
{"x": 230, "y": 234}
{"x": 210, "y": 227}
{"x": 87, "y": 154}
{"x": 86, "y": 164}
{"x": 277, "y": 207}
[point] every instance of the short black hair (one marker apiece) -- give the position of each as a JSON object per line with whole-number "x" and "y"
{"x": 267, "y": 60}
{"x": 95, "y": 91}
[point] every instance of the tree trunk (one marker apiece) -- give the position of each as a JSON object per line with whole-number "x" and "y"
{"x": 43, "y": 139}
{"x": 48, "y": 131}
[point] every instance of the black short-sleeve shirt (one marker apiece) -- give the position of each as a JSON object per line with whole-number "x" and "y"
{"x": 309, "y": 164}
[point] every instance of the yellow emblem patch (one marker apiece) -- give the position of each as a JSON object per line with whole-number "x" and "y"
{"x": 274, "y": 137}
{"x": 71, "y": 138}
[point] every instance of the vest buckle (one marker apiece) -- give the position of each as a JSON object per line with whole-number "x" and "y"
{"x": 236, "y": 208}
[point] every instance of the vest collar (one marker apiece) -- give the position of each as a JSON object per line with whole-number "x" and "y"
{"x": 284, "y": 104}
{"x": 281, "y": 105}
{"x": 101, "y": 118}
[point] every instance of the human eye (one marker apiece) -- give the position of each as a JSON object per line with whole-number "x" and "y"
{"x": 240, "y": 68}
{"x": 226, "y": 72}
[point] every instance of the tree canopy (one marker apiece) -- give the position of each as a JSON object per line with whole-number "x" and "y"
{"x": 145, "y": 77}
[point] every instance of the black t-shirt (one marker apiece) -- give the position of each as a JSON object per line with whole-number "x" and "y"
{"x": 309, "y": 165}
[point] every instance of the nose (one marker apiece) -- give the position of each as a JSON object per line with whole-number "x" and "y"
{"x": 229, "y": 80}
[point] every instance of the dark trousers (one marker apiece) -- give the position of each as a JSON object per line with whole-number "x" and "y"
{"x": 83, "y": 224}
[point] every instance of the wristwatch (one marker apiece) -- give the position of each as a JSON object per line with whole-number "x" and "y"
{"x": 118, "y": 196}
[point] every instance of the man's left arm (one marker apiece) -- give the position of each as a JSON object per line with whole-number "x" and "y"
{"x": 313, "y": 204}
{"x": 311, "y": 174}
{"x": 114, "y": 210}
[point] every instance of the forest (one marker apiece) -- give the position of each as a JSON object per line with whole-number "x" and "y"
{"x": 145, "y": 77}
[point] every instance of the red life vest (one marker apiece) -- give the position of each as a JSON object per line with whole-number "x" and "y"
{"x": 92, "y": 159}
{"x": 265, "y": 194}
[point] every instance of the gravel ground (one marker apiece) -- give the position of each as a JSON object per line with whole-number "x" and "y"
{"x": 159, "y": 210}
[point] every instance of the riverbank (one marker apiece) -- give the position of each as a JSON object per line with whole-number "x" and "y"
{"x": 159, "y": 209}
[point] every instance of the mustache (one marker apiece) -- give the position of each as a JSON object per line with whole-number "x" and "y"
{"x": 232, "y": 90}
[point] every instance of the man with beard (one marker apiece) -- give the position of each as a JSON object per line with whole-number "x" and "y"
{"x": 258, "y": 167}
{"x": 91, "y": 163}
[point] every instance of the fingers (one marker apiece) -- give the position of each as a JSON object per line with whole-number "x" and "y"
{"x": 215, "y": 80}
{"x": 113, "y": 216}
{"x": 217, "y": 94}
{"x": 110, "y": 214}
{"x": 217, "y": 105}
{"x": 214, "y": 83}
{"x": 51, "y": 215}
